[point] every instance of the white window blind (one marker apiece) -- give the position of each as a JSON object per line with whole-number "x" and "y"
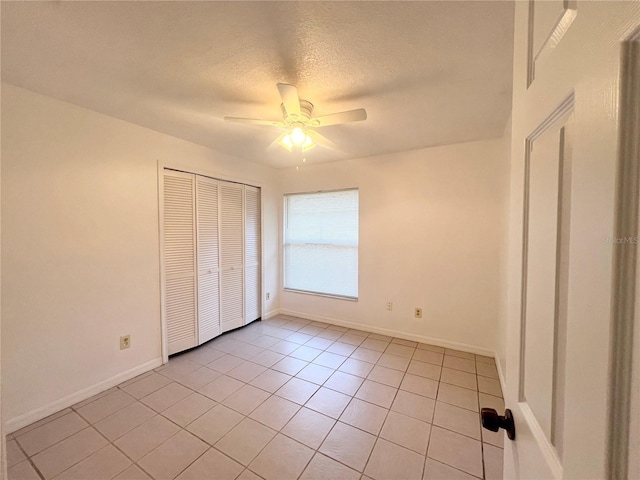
{"x": 321, "y": 243}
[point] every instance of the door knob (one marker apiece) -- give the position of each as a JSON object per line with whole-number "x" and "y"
{"x": 494, "y": 422}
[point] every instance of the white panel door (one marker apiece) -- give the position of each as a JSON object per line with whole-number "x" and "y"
{"x": 208, "y": 259}
{"x": 564, "y": 278}
{"x": 179, "y": 252}
{"x": 546, "y": 261}
{"x": 252, "y": 248}
{"x": 231, "y": 255}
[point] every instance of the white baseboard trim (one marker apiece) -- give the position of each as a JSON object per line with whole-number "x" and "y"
{"x": 392, "y": 333}
{"x": 501, "y": 375}
{"x": 270, "y": 314}
{"x": 28, "y": 418}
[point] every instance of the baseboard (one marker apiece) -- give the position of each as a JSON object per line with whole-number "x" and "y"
{"x": 392, "y": 333}
{"x": 501, "y": 375}
{"x": 28, "y": 418}
{"x": 270, "y": 314}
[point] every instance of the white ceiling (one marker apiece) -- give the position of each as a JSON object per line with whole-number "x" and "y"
{"x": 428, "y": 73}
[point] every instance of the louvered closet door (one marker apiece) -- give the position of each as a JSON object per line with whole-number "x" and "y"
{"x": 179, "y": 261}
{"x": 208, "y": 259}
{"x": 252, "y": 245}
{"x": 231, "y": 255}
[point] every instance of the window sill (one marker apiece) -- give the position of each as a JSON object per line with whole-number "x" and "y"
{"x": 318, "y": 294}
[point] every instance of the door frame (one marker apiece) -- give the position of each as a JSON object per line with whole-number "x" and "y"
{"x": 624, "y": 293}
{"x": 189, "y": 167}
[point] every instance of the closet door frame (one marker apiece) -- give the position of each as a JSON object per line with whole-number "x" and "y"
{"x": 188, "y": 167}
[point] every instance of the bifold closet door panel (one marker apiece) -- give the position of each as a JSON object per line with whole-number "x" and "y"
{"x": 252, "y": 246}
{"x": 179, "y": 260}
{"x": 231, "y": 255}
{"x": 208, "y": 258}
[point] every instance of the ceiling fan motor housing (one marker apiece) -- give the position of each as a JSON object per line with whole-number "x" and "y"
{"x": 291, "y": 119}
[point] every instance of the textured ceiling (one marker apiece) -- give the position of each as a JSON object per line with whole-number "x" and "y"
{"x": 428, "y": 73}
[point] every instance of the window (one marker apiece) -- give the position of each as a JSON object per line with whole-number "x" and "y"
{"x": 321, "y": 243}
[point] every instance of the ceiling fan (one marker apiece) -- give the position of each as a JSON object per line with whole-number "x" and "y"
{"x": 297, "y": 119}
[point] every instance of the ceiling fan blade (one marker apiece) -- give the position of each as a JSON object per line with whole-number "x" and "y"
{"x": 337, "y": 118}
{"x": 322, "y": 140}
{"x": 254, "y": 121}
{"x": 290, "y": 99}
{"x": 276, "y": 142}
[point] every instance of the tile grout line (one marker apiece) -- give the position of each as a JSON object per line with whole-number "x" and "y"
{"x": 385, "y": 419}
{"x": 57, "y": 441}
{"x": 87, "y": 456}
{"x": 426, "y": 455}
{"x": 192, "y": 462}
{"x": 29, "y": 460}
{"x": 135, "y": 462}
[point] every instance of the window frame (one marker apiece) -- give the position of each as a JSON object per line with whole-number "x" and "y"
{"x": 284, "y": 243}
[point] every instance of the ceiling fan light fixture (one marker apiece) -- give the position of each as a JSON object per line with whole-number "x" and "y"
{"x": 308, "y": 144}
{"x": 298, "y": 120}
{"x": 297, "y": 139}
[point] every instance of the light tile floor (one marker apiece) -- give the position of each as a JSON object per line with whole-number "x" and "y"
{"x": 280, "y": 399}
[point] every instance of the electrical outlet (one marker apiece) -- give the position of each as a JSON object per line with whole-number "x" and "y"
{"x": 418, "y": 312}
{"x": 125, "y": 342}
{"x": 268, "y": 295}
{"x": 389, "y": 305}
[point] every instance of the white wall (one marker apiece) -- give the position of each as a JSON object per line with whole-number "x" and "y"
{"x": 80, "y": 247}
{"x": 431, "y": 224}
